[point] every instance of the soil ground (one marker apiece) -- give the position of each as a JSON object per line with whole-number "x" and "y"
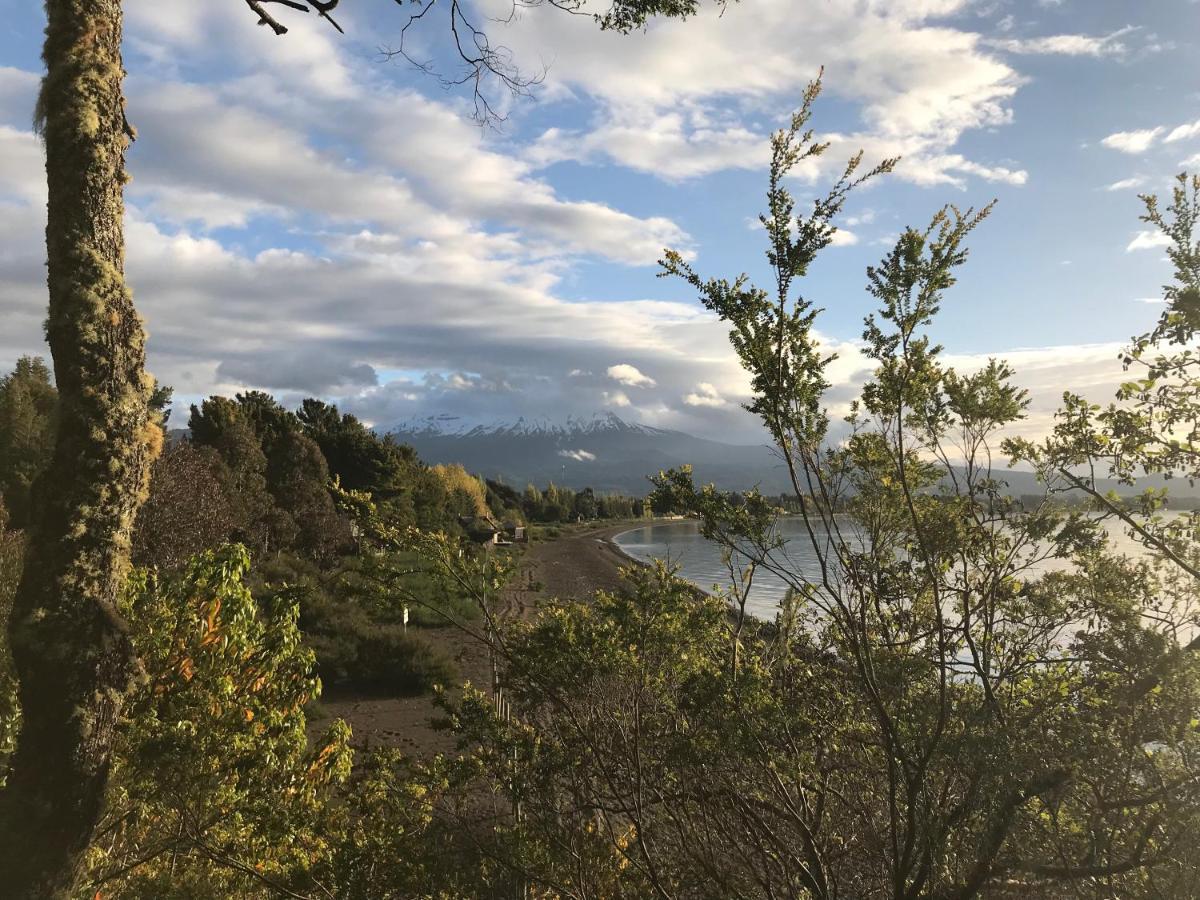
{"x": 572, "y": 566}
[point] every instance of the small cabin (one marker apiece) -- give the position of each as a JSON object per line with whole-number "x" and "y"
{"x": 484, "y": 530}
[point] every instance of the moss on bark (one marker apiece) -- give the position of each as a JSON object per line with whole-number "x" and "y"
{"x": 70, "y": 646}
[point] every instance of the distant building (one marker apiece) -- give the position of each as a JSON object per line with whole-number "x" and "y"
{"x": 485, "y": 530}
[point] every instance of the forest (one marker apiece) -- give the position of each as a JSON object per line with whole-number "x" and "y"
{"x": 975, "y": 696}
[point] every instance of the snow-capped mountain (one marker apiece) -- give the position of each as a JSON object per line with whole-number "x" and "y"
{"x": 609, "y": 454}
{"x": 602, "y": 451}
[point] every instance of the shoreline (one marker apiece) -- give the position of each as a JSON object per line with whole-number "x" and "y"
{"x": 626, "y": 555}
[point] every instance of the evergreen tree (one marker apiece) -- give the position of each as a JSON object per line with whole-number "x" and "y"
{"x": 298, "y": 479}
{"x": 28, "y": 417}
{"x": 219, "y": 423}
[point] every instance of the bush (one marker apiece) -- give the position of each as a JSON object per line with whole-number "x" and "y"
{"x": 392, "y": 662}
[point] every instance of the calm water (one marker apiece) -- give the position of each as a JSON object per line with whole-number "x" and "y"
{"x": 700, "y": 561}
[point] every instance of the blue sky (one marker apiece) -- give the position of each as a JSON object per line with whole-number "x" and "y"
{"x": 308, "y": 219}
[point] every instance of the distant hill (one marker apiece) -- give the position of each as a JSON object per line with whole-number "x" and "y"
{"x": 603, "y": 452}
{"x": 609, "y": 454}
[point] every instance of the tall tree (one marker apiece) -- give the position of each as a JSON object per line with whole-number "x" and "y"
{"x": 221, "y": 424}
{"x": 70, "y": 647}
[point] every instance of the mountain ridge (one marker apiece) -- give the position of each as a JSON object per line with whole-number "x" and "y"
{"x": 602, "y": 451}
{"x": 609, "y": 454}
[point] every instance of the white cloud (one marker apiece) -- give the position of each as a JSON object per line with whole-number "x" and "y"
{"x": 628, "y": 375}
{"x": 1183, "y": 132}
{"x": 578, "y": 455}
{"x": 1133, "y": 141}
{"x": 420, "y": 267}
{"x": 1068, "y": 44}
{"x": 1148, "y": 240}
{"x": 843, "y": 237}
{"x": 704, "y": 395}
{"x": 1127, "y": 184}
{"x": 1151, "y": 300}
{"x": 685, "y": 98}
{"x": 1092, "y": 370}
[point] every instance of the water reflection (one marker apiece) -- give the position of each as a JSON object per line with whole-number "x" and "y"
{"x": 701, "y": 562}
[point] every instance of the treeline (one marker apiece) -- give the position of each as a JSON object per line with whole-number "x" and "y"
{"x": 248, "y": 471}
{"x": 560, "y": 505}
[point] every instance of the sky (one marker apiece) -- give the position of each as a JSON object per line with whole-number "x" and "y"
{"x": 310, "y": 218}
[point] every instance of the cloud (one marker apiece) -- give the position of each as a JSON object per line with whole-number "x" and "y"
{"x": 298, "y": 222}
{"x": 1069, "y": 44}
{"x": 1151, "y": 300}
{"x": 1183, "y": 132}
{"x": 1127, "y": 184}
{"x": 578, "y": 455}
{"x": 1148, "y": 240}
{"x": 684, "y": 99}
{"x": 704, "y": 395}
{"x": 1091, "y": 370}
{"x": 628, "y": 375}
{"x": 1132, "y": 141}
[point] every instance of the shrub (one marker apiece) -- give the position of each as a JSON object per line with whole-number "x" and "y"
{"x": 392, "y": 662}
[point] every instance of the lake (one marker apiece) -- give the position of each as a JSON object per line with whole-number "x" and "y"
{"x": 700, "y": 561}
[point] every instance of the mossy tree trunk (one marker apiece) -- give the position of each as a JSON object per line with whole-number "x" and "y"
{"x": 72, "y": 652}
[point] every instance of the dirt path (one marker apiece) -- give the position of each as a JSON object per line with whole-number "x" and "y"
{"x": 574, "y": 565}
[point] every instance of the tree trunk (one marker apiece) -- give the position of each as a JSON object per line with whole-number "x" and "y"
{"x": 72, "y": 653}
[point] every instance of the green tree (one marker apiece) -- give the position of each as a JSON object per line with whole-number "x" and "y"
{"x": 994, "y": 740}
{"x": 298, "y": 479}
{"x": 404, "y": 488}
{"x": 220, "y": 423}
{"x": 28, "y": 414}
{"x": 216, "y": 792}
{"x": 1153, "y": 428}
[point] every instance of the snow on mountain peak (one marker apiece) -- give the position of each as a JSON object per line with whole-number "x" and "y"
{"x": 455, "y": 426}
